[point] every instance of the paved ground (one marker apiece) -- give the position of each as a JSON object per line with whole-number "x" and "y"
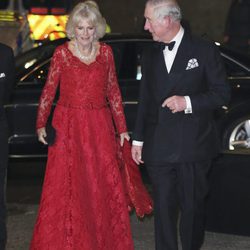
{"x": 21, "y": 220}
{"x": 23, "y": 193}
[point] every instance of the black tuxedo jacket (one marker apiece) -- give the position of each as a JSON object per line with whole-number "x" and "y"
{"x": 181, "y": 137}
{"x": 7, "y": 76}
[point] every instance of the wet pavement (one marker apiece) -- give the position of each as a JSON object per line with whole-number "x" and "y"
{"x": 23, "y": 193}
{"x": 22, "y": 217}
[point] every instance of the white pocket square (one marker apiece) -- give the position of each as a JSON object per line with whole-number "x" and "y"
{"x": 192, "y": 63}
{"x": 2, "y": 75}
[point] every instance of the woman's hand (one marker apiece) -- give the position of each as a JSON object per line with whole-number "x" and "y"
{"x": 41, "y": 133}
{"x": 124, "y": 136}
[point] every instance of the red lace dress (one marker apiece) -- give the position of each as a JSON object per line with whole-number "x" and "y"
{"x": 83, "y": 204}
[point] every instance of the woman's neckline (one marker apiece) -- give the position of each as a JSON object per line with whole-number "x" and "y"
{"x": 98, "y": 52}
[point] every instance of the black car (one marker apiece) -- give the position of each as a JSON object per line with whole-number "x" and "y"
{"x": 32, "y": 68}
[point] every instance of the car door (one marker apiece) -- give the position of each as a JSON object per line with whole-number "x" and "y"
{"x": 127, "y": 55}
{"x": 21, "y": 113}
{"x": 235, "y": 123}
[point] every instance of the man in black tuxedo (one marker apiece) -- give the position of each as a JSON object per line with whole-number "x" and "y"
{"x": 7, "y": 67}
{"x": 183, "y": 82}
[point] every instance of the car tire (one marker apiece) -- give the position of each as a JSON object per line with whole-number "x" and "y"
{"x": 237, "y": 135}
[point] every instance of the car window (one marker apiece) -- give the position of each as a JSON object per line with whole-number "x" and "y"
{"x": 32, "y": 57}
{"x": 127, "y": 57}
{"x": 233, "y": 68}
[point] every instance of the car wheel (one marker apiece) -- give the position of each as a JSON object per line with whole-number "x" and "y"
{"x": 237, "y": 135}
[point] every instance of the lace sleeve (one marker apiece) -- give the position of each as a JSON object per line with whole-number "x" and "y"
{"x": 114, "y": 96}
{"x": 49, "y": 90}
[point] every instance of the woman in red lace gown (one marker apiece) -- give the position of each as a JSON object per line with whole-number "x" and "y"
{"x": 83, "y": 204}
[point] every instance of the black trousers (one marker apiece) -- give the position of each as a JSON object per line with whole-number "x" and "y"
{"x": 181, "y": 186}
{"x": 3, "y": 170}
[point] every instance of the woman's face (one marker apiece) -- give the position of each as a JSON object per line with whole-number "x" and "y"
{"x": 84, "y": 33}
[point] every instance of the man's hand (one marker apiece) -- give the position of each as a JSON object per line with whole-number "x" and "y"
{"x": 136, "y": 152}
{"x": 175, "y": 103}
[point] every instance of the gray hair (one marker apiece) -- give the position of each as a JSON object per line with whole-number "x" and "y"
{"x": 86, "y": 10}
{"x": 165, "y": 8}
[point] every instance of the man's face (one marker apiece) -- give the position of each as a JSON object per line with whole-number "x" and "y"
{"x": 157, "y": 27}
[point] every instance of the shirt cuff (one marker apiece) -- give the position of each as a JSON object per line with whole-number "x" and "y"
{"x": 137, "y": 143}
{"x": 188, "y": 109}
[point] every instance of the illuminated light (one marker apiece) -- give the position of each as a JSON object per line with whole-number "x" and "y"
{"x": 49, "y": 26}
{"x": 39, "y": 77}
{"x": 225, "y": 107}
{"x": 138, "y": 74}
{"x": 58, "y": 11}
{"x": 41, "y": 71}
{"x": 217, "y": 43}
{"x": 29, "y": 64}
{"x": 8, "y": 16}
{"x": 108, "y": 29}
{"x": 238, "y": 86}
{"x": 43, "y": 25}
{"x": 39, "y": 10}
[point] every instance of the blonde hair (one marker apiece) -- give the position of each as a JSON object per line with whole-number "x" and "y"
{"x": 86, "y": 10}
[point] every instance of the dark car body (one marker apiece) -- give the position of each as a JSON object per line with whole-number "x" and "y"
{"x": 32, "y": 68}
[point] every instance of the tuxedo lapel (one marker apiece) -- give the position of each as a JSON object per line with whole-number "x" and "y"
{"x": 160, "y": 65}
{"x": 183, "y": 54}
{"x": 165, "y": 83}
{"x": 160, "y": 72}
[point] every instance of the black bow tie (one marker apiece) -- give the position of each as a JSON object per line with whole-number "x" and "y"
{"x": 169, "y": 45}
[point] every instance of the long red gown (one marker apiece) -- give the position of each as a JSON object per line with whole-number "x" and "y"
{"x": 83, "y": 205}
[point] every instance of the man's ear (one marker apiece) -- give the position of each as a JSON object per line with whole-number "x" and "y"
{"x": 166, "y": 20}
